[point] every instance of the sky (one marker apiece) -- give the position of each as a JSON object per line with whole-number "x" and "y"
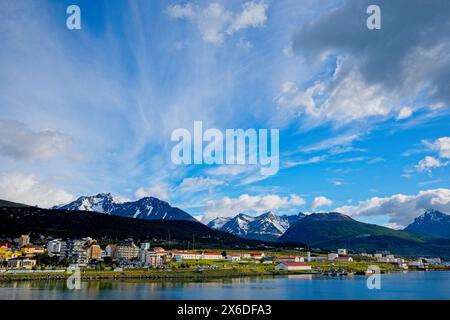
{"x": 363, "y": 114}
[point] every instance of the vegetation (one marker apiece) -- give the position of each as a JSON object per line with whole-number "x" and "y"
{"x": 75, "y": 224}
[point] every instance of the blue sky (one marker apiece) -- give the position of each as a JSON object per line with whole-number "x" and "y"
{"x": 363, "y": 115}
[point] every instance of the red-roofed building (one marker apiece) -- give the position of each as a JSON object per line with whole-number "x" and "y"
{"x": 189, "y": 255}
{"x": 344, "y": 259}
{"x": 293, "y": 266}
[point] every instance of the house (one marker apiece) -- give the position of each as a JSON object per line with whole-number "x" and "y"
{"x": 290, "y": 259}
{"x": 159, "y": 249}
{"x": 267, "y": 260}
{"x": 94, "y": 252}
{"x": 342, "y": 252}
{"x": 332, "y": 256}
{"x": 7, "y": 252}
{"x": 21, "y": 263}
{"x": 152, "y": 259}
{"x": 244, "y": 255}
{"x": 31, "y": 250}
{"x": 192, "y": 255}
{"x": 22, "y": 240}
{"x": 433, "y": 260}
{"x": 111, "y": 251}
{"x": 257, "y": 255}
{"x": 344, "y": 259}
{"x": 293, "y": 266}
{"x": 233, "y": 257}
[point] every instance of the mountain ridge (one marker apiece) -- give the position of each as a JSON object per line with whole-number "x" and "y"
{"x": 432, "y": 223}
{"x": 147, "y": 208}
{"x": 267, "y": 226}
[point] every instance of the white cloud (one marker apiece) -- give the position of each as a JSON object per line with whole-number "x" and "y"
{"x": 159, "y": 190}
{"x": 29, "y": 190}
{"x": 334, "y": 100}
{"x": 229, "y": 207}
{"x": 442, "y": 145}
{"x": 405, "y": 113}
{"x": 179, "y": 11}
{"x": 196, "y": 184}
{"x": 321, "y": 202}
{"x": 428, "y": 163}
{"x": 311, "y": 160}
{"x": 215, "y": 22}
{"x": 253, "y": 15}
{"x": 401, "y": 209}
{"x": 18, "y": 141}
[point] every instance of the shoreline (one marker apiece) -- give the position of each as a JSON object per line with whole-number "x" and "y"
{"x": 173, "y": 277}
{"x": 156, "y": 277}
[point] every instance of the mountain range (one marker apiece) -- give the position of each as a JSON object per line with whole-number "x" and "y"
{"x": 148, "y": 208}
{"x": 37, "y": 222}
{"x": 267, "y": 226}
{"x": 330, "y": 231}
{"x": 433, "y": 223}
{"x": 429, "y": 234}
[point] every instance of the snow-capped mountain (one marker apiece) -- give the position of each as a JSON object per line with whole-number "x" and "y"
{"x": 218, "y": 223}
{"x": 267, "y": 227}
{"x": 148, "y": 208}
{"x": 433, "y": 223}
{"x": 102, "y": 202}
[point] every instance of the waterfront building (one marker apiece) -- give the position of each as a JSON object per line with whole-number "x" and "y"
{"x": 127, "y": 250}
{"x": 233, "y": 257}
{"x": 344, "y": 259}
{"x": 190, "y": 255}
{"x": 293, "y": 266}
{"x": 30, "y": 250}
{"x": 21, "y": 263}
{"x": 290, "y": 259}
{"x": 332, "y": 256}
{"x": 57, "y": 247}
{"x": 111, "y": 251}
{"x": 77, "y": 253}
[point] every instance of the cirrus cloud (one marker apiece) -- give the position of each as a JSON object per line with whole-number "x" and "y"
{"x": 215, "y": 22}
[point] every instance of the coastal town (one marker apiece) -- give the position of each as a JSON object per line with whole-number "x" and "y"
{"x": 20, "y": 256}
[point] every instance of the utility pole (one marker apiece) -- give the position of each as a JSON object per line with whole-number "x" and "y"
{"x": 193, "y": 241}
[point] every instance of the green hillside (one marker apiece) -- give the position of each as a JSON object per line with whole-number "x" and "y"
{"x": 9, "y": 204}
{"x": 76, "y": 224}
{"x": 333, "y": 230}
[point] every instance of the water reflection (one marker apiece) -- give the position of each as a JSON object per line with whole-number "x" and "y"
{"x": 394, "y": 286}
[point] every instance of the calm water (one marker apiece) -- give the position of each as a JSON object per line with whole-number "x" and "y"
{"x": 411, "y": 285}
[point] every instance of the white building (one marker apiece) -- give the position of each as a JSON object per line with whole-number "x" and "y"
{"x": 153, "y": 259}
{"x": 233, "y": 257}
{"x": 57, "y": 247}
{"x": 342, "y": 252}
{"x": 145, "y": 246}
{"x": 332, "y": 256}
{"x": 188, "y": 255}
{"x": 343, "y": 259}
{"x": 290, "y": 259}
{"x": 293, "y": 266}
